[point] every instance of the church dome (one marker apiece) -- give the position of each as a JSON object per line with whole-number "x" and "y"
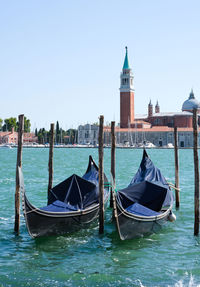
{"x": 191, "y": 103}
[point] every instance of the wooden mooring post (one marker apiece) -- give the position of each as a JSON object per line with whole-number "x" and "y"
{"x": 101, "y": 177}
{"x": 113, "y": 144}
{"x": 50, "y": 165}
{"x": 196, "y": 173}
{"x": 19, "y": 164}
{"x": 176, "y": 167}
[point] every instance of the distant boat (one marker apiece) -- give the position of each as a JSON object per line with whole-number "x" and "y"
{"x": 145, "y": 205}
{"x": 72, "y": 205}
{"x": 148, "y": 144}
{"x": 170, "y": 145}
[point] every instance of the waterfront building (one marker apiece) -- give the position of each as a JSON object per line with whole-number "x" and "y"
{"x": 138, "y": 137}
{"x": 12, "y": 137}
{"x": 155, "y": 127}
{"x": 88, "y": 134}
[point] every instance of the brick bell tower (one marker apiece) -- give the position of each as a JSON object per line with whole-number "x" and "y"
{"x": 126, "y": 95}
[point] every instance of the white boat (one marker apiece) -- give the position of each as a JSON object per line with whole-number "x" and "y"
{"x": 149, "y": 145}
{"x": 169, "y": 145}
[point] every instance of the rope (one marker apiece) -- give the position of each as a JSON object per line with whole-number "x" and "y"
{"x": 32, "y": 210}
{"x": 74, "y": 218}
{"x": 173, "y": 186}
{"x": 85, "y": 222}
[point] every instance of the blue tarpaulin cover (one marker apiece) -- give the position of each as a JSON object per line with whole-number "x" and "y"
{"x": 76, "y": 192}
{"x": 148, "y": 188}
{"x": 139, "y": 209}
{"x": 59, "y": 206}
{"x": 148, "y": 171}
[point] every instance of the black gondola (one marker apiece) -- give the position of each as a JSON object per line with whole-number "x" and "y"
{"x": 72, "y": 204}
{"x": 145, "y": 205}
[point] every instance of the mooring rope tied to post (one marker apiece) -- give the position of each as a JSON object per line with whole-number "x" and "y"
{"x": 173, "y": 186}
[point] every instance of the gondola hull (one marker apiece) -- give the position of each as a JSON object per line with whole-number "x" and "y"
{"x": 145, "y": 205}
{"x": 72, "y": 205}
{"x": 131, "y": 226}
{"x": 42, "y": 223}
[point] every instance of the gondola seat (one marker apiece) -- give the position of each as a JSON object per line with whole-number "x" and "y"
{"x": 141, "y": 210}
{"x": 59, "y": 206}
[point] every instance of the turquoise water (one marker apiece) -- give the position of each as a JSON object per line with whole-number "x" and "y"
{"x": 168, "y": 258}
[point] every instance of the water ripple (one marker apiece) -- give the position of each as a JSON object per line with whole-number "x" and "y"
{"x": 168, "y": 258}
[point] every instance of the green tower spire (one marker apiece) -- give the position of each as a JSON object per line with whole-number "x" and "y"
{"x": 126, "y": 62}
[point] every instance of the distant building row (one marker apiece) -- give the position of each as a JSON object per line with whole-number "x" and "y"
{"x": 156, "y": 127}
{"x": 12, "y": 137}
{"x": 88, "y": 134}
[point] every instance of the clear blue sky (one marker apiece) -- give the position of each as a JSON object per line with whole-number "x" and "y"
{"x": 61, "y": 60}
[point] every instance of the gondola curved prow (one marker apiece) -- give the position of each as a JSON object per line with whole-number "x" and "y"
{"x": 23, "y": 197}
{"x": 21, "y": 187}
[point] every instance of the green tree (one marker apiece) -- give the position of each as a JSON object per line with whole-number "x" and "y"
{"x": 1, "y": 122}
{"x": 72, "y": 133}
{"x": 61, "y": 135}
{"x": 42, "y": 136}
{"x": 9, "y": 124}
{"x": 27, "y": 125}
{"x": 57, "y": 132}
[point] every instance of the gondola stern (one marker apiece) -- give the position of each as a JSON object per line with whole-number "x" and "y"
{"x": 26, "y": 206}
{"x": 144, "y": 154}
{"x": 90, "y": 164}
{"x": 22, "y": 190}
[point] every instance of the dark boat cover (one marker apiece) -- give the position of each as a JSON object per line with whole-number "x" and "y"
{"x": 92, "y": 172}
{"x": 148, "y": 171}
{"x": 76, "y": 192}
{"x": 148, "y": 188}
